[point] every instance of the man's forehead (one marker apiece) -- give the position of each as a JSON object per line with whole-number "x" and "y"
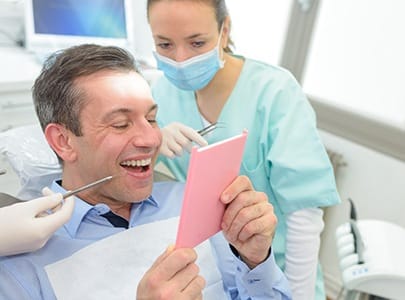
{"x": 116, "y": 89}
{"x": 151, "y": 109}
{"x": 105, "y": 74}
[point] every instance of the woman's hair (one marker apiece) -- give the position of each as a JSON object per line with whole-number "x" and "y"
{"x": 57, "y": 98}
{"x": 221, "y": 12}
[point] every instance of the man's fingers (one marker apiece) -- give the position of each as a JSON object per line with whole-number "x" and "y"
{"x": 194, "y": 288}
{"x": 248, "y": 221}
{"x": 188, "y": 281}
{"x": 161, "y": 257}
{"x": 171, "y": 262}
{"x": 243, "y": 200}
{"x": 239, "y": 185}
{"x": 173, "y": 274}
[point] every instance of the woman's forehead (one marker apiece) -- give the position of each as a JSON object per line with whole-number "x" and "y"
{"x": 190, "y": 13}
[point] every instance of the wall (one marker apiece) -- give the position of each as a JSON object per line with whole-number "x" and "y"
{"x": 143, "y": 42}
{"x": 11, "y": 22}
{"x": 375, "y": 182}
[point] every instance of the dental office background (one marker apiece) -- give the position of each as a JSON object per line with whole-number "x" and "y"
{"x": 347, "y": 54}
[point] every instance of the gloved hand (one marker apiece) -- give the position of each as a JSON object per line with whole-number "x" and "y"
{"x": 176, "y": 137}
{"x": 27, "y": 226}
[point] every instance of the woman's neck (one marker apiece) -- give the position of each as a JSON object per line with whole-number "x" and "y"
{"x": 212, "y": 98}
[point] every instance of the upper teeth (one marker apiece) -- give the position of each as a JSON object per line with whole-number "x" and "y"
{"x": 137, "y": 163}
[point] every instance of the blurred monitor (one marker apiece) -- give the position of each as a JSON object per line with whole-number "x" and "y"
{"x": 51, "y": 25}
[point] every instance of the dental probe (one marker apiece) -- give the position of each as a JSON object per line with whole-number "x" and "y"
{"x": 87, "y": 186}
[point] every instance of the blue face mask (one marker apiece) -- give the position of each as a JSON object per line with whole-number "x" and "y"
{"x": 194, "y": 73}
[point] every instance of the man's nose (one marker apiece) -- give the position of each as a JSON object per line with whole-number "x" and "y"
{"x": 146, "y": 136}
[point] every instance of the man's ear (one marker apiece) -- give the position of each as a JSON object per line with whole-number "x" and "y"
{"x": 60, "y": 140}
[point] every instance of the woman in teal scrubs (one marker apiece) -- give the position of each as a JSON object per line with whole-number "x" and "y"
{"x": 284, "y": 157}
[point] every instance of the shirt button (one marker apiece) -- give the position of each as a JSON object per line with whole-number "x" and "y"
{"x": 251, "y": 281}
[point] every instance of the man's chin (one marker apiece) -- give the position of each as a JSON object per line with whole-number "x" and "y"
{"x": 140, "y": 194}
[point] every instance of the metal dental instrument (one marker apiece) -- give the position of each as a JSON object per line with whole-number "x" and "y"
{"x": 87, "y": 186}
{"x": 3, "y": 171}
{"x": 210, "y": 128}
{"x": 6, "y": 199}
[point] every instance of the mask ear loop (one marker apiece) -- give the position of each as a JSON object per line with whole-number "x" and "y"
{"x": 221, "y": 31}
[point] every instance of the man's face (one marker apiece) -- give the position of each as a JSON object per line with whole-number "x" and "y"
{"x": 120, "y": 138}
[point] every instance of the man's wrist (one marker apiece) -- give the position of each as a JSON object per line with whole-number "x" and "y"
{"x": 249, "y": 263}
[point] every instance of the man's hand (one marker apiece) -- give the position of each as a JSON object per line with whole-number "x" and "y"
{"x": 27, "y": 226}
{"x": 176, "y": 137}
{"x": 174, "y": 275}
{"x": 249, "y": 222}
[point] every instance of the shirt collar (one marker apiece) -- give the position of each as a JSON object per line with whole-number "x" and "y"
{"x": 82, "y": 208}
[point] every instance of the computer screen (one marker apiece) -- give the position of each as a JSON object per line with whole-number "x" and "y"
{"x": 51, "y": 25}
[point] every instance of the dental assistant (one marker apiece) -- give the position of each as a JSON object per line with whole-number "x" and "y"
{"x": 205, "y": 82}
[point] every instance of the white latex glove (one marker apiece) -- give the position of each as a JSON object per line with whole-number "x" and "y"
{"x": 27, "y": 226}
{"x": 304, "y": 229}
{"x": 176, "y": 137}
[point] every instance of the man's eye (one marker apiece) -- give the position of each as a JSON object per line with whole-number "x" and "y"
{"x": 120, "y": 125}
{"x": 151, "y": 120}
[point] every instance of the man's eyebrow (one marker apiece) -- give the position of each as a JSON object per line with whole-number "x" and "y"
{"x": 120, "y": 111}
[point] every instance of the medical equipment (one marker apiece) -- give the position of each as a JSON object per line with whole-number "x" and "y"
{"x": 87, "y": 186}
{"x": 8, "y": 199}
{"x": 371, "y": 258}
{"x": 3, "y": 171}
{"x": 210, "y": 128}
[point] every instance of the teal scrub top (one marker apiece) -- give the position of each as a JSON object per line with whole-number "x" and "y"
{"x": 284, "y": 156}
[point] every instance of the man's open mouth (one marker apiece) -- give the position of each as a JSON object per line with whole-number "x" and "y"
{"x": 141, "y": 165}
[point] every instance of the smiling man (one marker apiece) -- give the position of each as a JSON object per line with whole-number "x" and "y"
{"x": 98, "y": 115}
{"x": 113, "y": 135}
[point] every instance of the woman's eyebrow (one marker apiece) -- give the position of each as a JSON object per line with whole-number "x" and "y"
{"x": 190, "y": 37}
{"x": 153, "y": 108}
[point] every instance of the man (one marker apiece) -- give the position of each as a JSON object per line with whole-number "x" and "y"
{"x": 99, "y": 117}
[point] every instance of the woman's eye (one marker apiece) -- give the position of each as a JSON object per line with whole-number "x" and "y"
{"x": 164, "y": 45}
{"x": 198, "y": 44}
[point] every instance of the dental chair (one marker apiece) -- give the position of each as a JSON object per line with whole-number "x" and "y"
{"x": 371, "y": 259}
{"x": 34, "y": 162}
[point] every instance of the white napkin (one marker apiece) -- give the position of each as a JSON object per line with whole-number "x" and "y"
{"x": 111, "y": 268}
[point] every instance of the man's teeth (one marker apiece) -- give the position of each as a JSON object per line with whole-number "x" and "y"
{"x": 137, "y": 163}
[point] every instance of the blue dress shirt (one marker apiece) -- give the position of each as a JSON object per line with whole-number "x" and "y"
{"x": 23, "y": 276}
